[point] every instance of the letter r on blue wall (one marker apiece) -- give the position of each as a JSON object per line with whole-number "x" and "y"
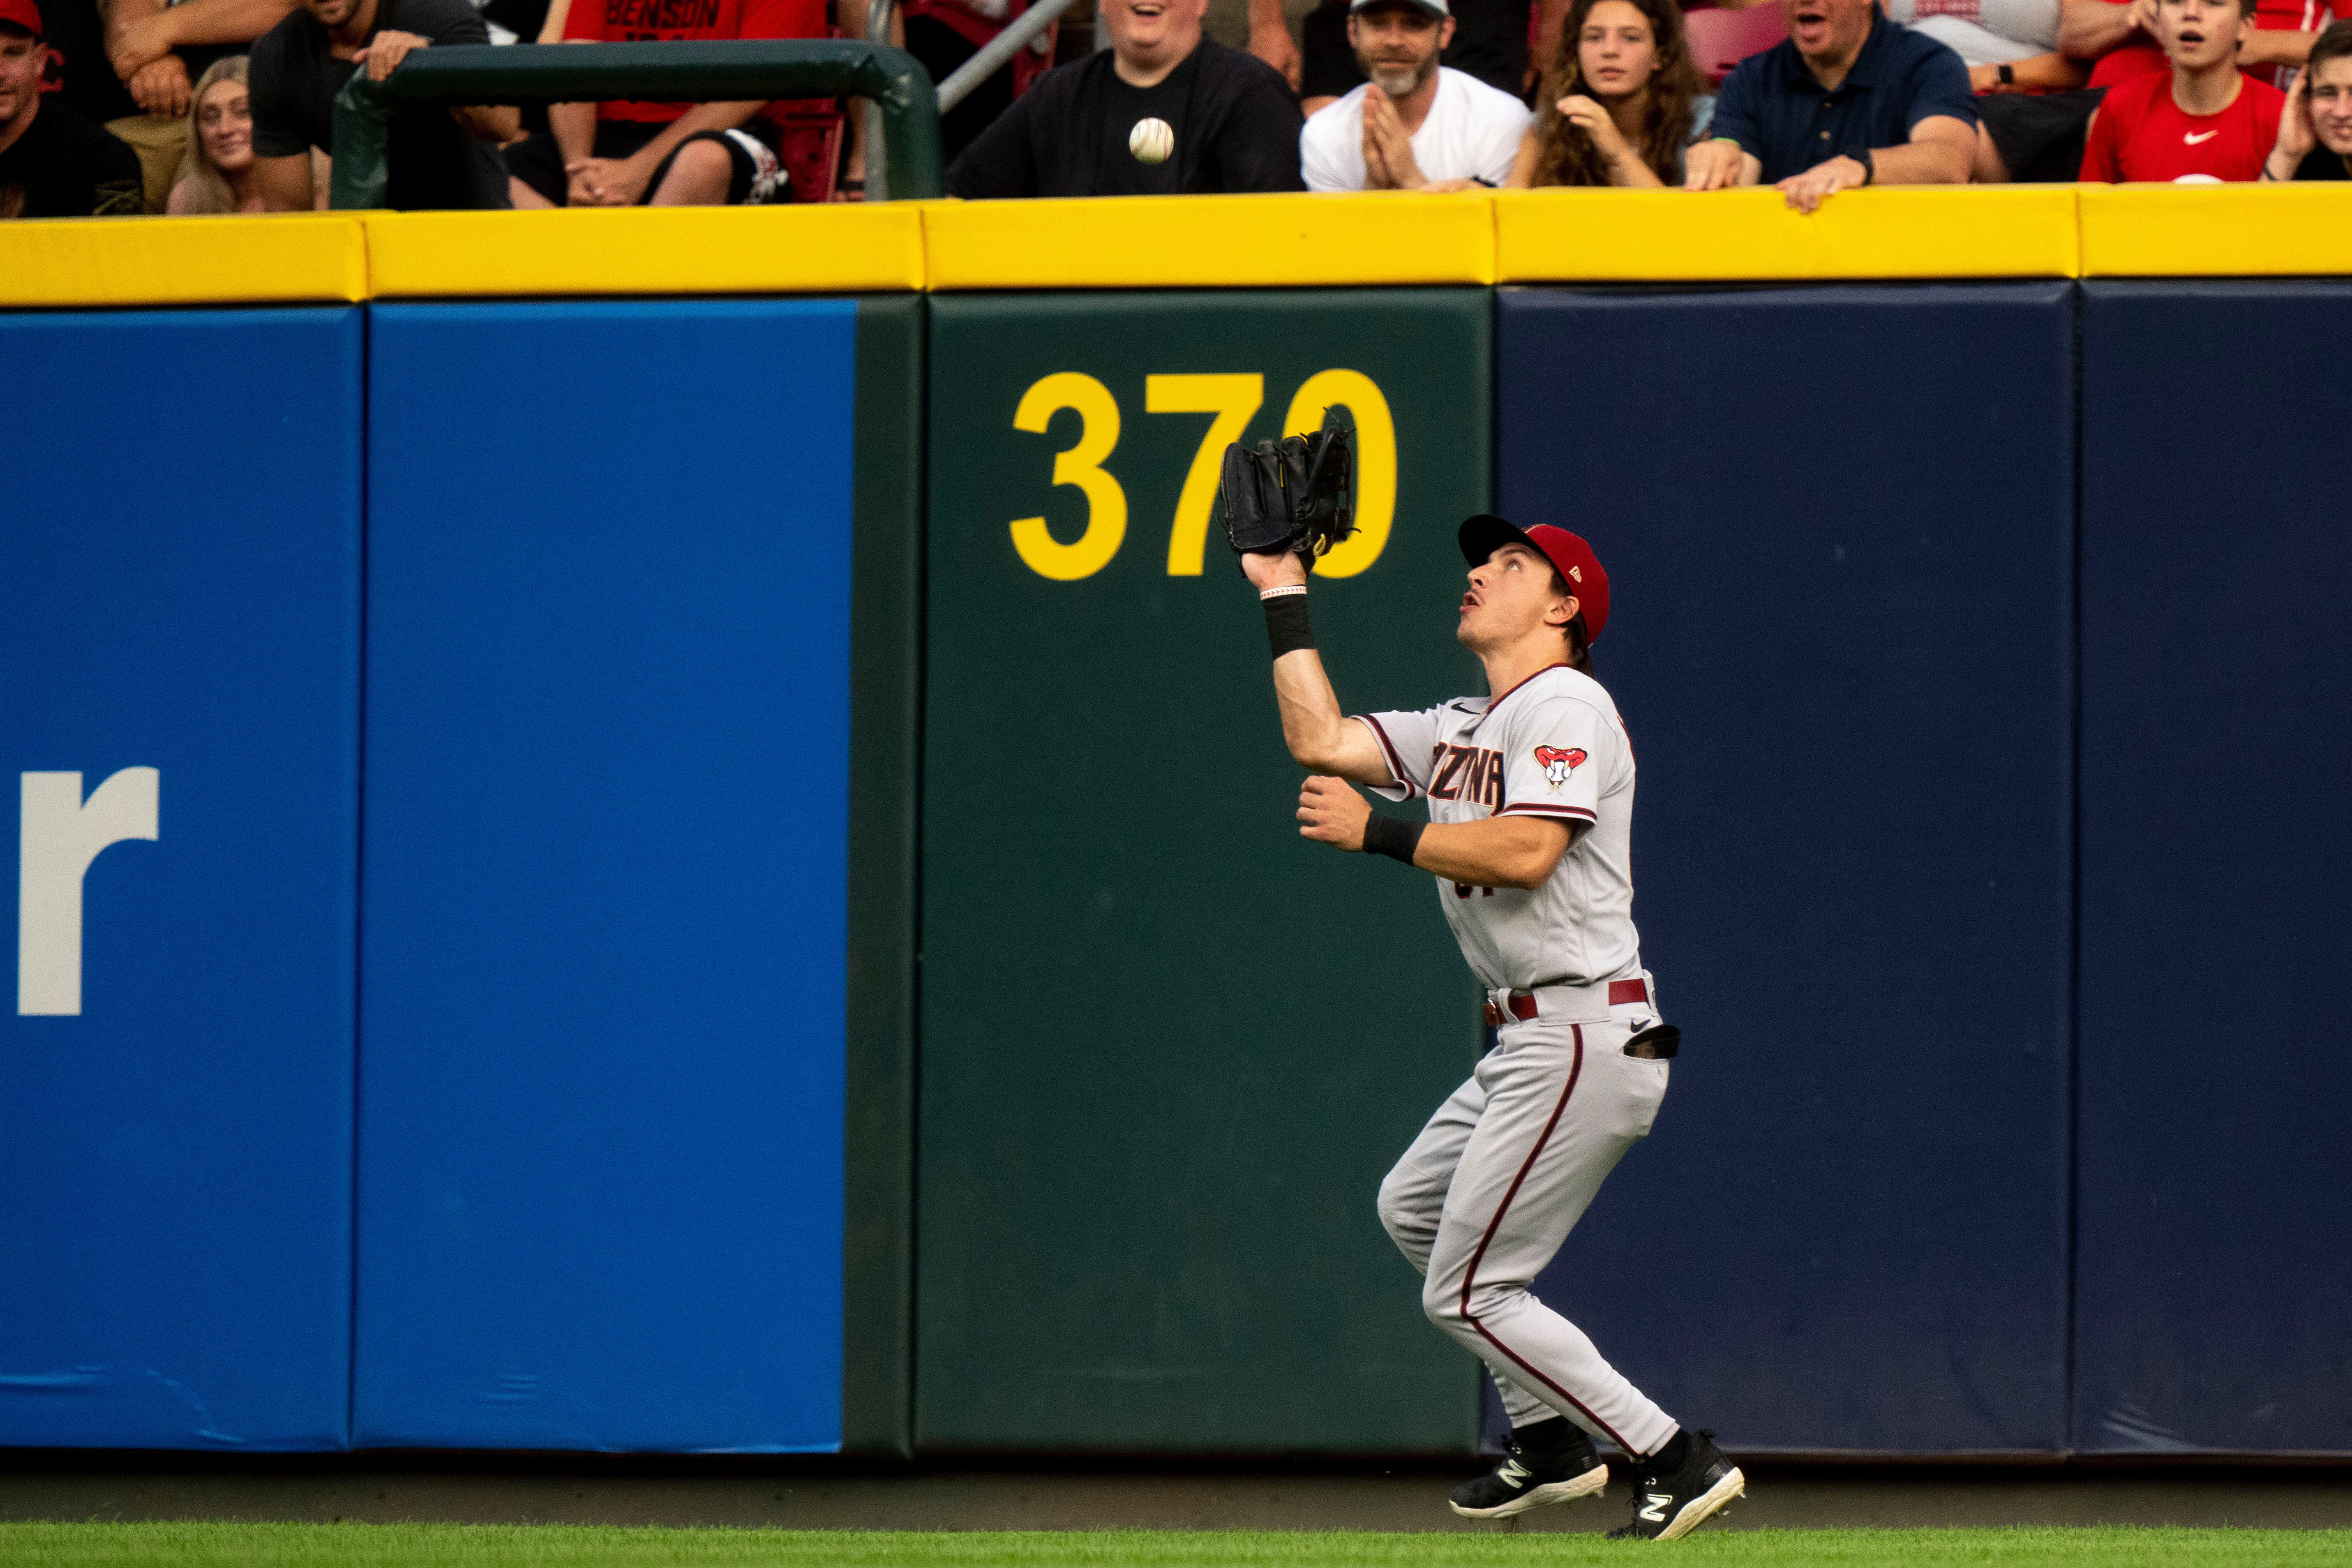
{"x": 58, "y": 834}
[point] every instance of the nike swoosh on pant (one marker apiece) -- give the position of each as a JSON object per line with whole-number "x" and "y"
{"x": 2193, "y": 140}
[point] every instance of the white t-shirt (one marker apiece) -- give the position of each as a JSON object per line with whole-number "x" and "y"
{"x": 1552, "y": 747}
{"x": 1471, "y": 133}
{"x": 1983, "y": 32}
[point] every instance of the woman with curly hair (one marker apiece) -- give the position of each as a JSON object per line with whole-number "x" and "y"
{"x": 1622, "y": 100}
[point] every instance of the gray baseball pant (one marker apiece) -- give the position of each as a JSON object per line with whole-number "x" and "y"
{"x": 1486, "y": 1195}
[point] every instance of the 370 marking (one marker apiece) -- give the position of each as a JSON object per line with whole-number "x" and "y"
{"x": 1232, "y": 401}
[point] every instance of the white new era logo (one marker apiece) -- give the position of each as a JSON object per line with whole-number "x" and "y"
{"x": 1656, "y": 1512}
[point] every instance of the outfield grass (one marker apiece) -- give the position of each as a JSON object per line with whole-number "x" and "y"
{"x": 549, "y": 1546}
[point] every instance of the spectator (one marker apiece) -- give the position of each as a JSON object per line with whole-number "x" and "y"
{"x": 2208, "y": 122}
{"x": 1236, "y": 125}
{"x": 623, "y": 153}
{"x": 156, "y": 50}
{"x": 2041, "y": 137}
{"x": 1625, "y": 100}
{"x": 1490, "y": 42}
{"x": 1414, "y": 124}
{"x": 53, "y": 161}
{"x": 2315, "y": 134}
{"x": 440, "y": 157}
{"x": 2122, "y": 37}
{"x": 1848, "y": 98}
{"x": 216, "y": 172}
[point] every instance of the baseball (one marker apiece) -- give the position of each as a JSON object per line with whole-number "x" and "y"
{"x": 1151, "y": 140}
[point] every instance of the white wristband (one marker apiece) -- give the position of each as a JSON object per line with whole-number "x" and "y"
{"x": 1283, "y": 593}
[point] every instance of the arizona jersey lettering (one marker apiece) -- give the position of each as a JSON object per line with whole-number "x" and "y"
{"x": 1554, "y": 747}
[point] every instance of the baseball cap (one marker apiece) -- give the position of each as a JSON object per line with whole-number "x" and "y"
{"x": 1483, "y": 534}
{"x": 1435, "y": 8}
{"x": 23, "y": 14}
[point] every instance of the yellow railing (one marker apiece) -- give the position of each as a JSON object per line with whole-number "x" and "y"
{"x": 1272, "y": 241}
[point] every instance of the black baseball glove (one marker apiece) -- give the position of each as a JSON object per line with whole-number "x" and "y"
{"x": 1296, "y": 494}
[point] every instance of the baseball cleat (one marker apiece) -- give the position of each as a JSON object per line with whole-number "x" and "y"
{"x": 1675, "y": 1491}
{"x": 1540, "y": 1465}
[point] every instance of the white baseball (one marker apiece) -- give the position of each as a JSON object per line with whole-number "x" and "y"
{"x": 1151, "y": 140}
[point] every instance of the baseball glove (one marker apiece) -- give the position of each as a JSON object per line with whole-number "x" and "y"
{"x": 1295, "y": 494}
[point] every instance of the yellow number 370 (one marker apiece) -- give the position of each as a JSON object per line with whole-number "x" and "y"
{"x": 1234, "y": 401}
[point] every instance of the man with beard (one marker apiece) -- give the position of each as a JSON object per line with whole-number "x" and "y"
{"x": 1162, "y": 112}
{"x": 1416, "y": 124}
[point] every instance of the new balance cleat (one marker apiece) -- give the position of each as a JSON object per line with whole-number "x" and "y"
{"x": 1540, "y": 1465}
{"x": 1680, "y": 1488}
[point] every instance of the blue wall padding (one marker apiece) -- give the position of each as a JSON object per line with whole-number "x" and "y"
{"x": 2214, "y": 1283}
{"x": 1838, "y": 524}
{"x": 179, "y": 590}
{"x": 601, "y": 1150}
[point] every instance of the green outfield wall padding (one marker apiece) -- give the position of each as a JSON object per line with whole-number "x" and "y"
{"x": 885, "y": 637}
{"x": 1168, "y": 1049}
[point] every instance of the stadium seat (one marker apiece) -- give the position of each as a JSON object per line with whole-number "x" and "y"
{"x": 1719, "y": 39}
{"x": 811, "y": 151}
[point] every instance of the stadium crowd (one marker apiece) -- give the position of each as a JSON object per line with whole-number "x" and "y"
{"x": 225, "y": 106}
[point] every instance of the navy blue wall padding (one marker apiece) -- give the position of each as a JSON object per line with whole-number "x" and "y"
{"x": 2215, "y": 1251}
{"x": 1838, "y": 524}
{"x": 179, "y": 590}
{"x": 600, "y": 1190}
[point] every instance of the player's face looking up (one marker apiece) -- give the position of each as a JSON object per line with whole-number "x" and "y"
{"x": 1513, "y": 598}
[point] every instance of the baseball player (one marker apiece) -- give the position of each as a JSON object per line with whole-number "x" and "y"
{"x": 1530, "y": 794}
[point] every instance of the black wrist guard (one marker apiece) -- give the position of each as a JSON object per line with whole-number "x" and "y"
{"x": 1286, "y": 628}
{"x": 1392, "y": 836}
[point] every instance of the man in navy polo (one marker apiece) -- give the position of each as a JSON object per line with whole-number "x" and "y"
{"x": 1848, "y": 99}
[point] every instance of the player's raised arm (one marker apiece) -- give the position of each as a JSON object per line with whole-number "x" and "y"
{"x": 1319, "y": 737}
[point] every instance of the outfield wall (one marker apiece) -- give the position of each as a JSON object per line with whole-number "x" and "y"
{"x": 721, "y": 874}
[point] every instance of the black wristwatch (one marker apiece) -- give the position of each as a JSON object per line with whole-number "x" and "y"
{"x": 1869, "y": 166}
{"x": 2008, "y": 74}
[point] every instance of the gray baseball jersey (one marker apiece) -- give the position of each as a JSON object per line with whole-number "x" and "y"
{"x": 1552, "y": 747}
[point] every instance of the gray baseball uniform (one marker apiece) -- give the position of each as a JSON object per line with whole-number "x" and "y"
{"x": 1486, "y": 1195}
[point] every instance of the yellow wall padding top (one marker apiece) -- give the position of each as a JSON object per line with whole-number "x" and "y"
{"x": 2217, "y": 231}
{"x": 183, "y": 260}
{"x": 1177, "y": 242}
{"x": 1609, "y": 235}
{"x": 1256, "y": 241}
{"x": 831, "y": 250}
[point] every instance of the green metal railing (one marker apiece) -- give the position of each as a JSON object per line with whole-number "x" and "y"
{"x": 661, "y": 72}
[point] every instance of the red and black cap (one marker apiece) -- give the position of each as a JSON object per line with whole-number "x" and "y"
{"x": 22, "y": 15}
{"x": 1483, "y": 534}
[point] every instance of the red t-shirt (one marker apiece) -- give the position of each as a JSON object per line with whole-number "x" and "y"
{"x": 639, "y": 21}
{"x": 2141, "y": 56}
{"x": 2142, "y": 135}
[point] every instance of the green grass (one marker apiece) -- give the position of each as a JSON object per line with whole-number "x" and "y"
{"x": 547, "y": 1546}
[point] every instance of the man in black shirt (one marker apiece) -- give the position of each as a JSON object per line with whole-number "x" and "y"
{"x": 1236, "y": 126}
{"x": 53, "y": 161}
{"x": 440, "y": 157}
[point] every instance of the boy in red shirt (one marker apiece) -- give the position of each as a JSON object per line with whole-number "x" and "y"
{"x": 625, "y": 153}
{"x": 2203, "y": 122}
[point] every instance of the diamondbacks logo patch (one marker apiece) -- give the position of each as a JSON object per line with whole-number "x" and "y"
{"x": 1558, "y": 765}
